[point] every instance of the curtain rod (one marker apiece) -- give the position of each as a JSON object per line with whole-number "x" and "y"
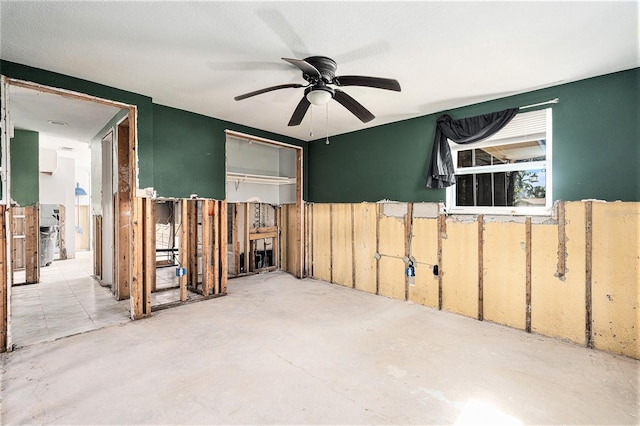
{"x": 552, "y": 101}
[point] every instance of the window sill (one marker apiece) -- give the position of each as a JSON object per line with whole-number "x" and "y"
{"x": 500, "y": 211}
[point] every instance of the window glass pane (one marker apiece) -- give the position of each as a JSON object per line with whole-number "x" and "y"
{"x": 519, "y": 152}
{"x": 500, "y": 189}
{"x": 484, "y": 189}
{"x": 464, "y": 190}
{"x": 529, "y": 188}
{"x": 464, "y": 158}
{"x": 483, "y": 158}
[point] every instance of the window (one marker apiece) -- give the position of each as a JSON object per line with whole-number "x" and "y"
{"x": 508, "y": 173}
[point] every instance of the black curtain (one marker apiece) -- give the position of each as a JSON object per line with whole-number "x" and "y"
{"x": 466, "y": 130}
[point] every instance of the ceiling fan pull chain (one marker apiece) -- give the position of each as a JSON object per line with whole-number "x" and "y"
{"x": 311, "y": 119}
{"x": 327, "y": 140}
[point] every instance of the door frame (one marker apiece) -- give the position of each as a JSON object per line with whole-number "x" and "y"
{"x": 5, "y": 140}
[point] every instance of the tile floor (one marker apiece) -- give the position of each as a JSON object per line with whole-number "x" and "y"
{"x": 67, "y": 301}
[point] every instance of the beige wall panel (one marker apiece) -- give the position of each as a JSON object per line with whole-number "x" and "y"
{"x": 424, "y": 248}
{"x": 392, "y": 236}
{"x": 504, "y": 273}
{"x": 342, "y": 261}
{"x": 364, "y": 223}
{"x": 321, "y": 242}
{"x": 558, "y": 306}
{"x": 425, "y": 289}
{"x": 392, "y": 272}
{"x": 616, "y": 268}
{"x": 460, "y": 269}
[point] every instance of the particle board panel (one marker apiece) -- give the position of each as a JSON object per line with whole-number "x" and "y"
{"x": 392, "y": 242}
{"x": 322, "y": 241}
{"x": 615, "y": 282}
{"x": 392, "y": 274}
{"x": 505, "y": 273}
{"x": 557, "y": 306}
{"x": 364, "y": 231}
{"x": 424, "y": 248}
{"x": 460, "y": 268}
{"x": 341, "y": 253}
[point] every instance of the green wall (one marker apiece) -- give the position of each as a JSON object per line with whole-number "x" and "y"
{"x": 189, "y": 152}
{"x": 25, "y": 168}
{"x": 596, "y": 147}
{"x": 143, "y": 104}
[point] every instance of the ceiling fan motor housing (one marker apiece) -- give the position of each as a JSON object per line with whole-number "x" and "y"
{"x": 326, "y": 67}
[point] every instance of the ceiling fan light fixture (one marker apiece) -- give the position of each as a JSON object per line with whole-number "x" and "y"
{"x": 319, "y": 96}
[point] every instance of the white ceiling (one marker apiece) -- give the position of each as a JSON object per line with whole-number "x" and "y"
{"x": 197, "y": 56}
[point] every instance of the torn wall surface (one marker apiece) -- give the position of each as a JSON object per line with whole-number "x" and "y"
{"x": 504, "y": 270}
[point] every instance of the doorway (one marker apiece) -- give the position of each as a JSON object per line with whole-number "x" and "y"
{"x": 58, "y": 227}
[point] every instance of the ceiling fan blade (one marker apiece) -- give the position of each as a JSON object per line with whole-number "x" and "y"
{"x": 268, "y": 89}
{"x": 353, "y": 106}
{"x": 299, "y": 112}
{"x": 304, "y": 66}
{"x": 359, "y": 80}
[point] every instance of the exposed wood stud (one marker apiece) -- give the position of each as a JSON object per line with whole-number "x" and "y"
{"x": 562, "y": 241}
{"x": 123, "y": 208}
{"x": 299, "y": 217}
{"x": 527, "y": 225}
{"x": 311, "y": 239}
{"x": 331, "y": 243}
{"x": 588, "y": 272}
{"x": 481, "y": 267}
{"x": 442, "y": 229}
{"x": 276, "y": 240}
{"x": 149, "y": 266}
{"x": 408, "y": 228}
{"x": 223, "y": 247}
{"x": 207, "y": 270}
{"x": 184, "y": 246}
{"x": 3, "y": 278}
{"x": 247, "y": 225}
{"x": 215, "y": 284}
{"x": 136, "y": 289}
{"x": 307, "y": 237}
{"x": 235, "y": 242}
{"x": 32, "y": 244}
{"x": 378, "y": 218}
{"x": 353, "y": 247}
{"x": 192, "y": 268}
{"x": 97, "y": 246}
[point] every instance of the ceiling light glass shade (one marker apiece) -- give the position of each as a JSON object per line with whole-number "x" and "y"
{"x": 319, "y": 97}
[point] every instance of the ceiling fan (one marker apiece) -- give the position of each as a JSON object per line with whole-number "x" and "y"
{"x": 320, "y": 72}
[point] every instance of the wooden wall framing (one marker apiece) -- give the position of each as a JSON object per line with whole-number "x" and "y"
{"x": 560, "y": 278}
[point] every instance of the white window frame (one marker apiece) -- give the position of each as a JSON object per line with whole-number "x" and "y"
{"x": 504, "y": 137}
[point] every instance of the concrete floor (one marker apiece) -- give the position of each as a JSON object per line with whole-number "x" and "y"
{"x": 277, "y": 350}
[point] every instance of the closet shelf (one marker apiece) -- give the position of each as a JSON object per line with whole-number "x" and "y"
{"x": 260, "y": 179}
